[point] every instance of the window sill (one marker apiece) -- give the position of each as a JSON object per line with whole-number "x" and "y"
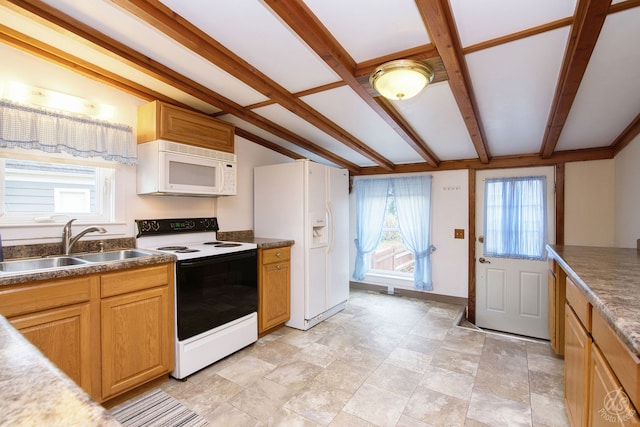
{"x": 34, "y": 233}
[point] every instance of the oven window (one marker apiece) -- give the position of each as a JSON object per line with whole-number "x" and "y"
{"x": 215, "y": 290}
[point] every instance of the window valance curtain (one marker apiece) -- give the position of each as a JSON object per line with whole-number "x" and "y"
{"x": 24, "y": 126}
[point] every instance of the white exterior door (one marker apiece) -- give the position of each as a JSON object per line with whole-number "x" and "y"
{"x": 511, "y": 294}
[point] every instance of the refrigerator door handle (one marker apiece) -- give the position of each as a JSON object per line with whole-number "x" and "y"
{"x": 330, "y": 226}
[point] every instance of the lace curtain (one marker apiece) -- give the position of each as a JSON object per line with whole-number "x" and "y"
{"x": 516, "y": 217}
{"x": 413, "y": 205}
{"x": 413, "y": 210}
{"x": 371, "y": 204}
{"x": 23, "y": 126}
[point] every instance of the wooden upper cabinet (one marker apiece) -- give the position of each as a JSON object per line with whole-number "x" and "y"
{"x": 158, "y": 120}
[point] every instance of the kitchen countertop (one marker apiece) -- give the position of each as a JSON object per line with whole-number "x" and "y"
{"x": 81, "y": 269}
{"x": 610, "y": 280}
{"x": 34, "y": 392}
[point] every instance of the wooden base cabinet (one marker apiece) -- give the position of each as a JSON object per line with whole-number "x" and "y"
{"x": 56, "y": 318}
{"x": 274, "y": 287}
{"x": 556, "y": 298}
{"x": 608, "y": 403}
{"x": 137, "y": 330}
{"x": 576, "y": 368}
{"x": 109, "y": 332}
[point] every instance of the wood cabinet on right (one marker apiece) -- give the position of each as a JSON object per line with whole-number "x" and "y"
{"x": 602, "y": 378}
{"x": 274, "y": 287}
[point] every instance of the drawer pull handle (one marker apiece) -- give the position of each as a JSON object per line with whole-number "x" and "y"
{"x": 278, "y": 254}
{"x": 278, "y": 266}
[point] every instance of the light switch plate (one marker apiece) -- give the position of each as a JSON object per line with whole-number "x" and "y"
{"x": 458, "y": 233}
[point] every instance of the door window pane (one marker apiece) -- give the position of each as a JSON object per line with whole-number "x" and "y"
{"x": 515, "y": 217}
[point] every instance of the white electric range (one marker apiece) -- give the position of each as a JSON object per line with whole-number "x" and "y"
{"x": 216, "y": 289}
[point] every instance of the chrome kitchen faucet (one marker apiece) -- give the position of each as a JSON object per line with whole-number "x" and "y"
{"x": 68, "y": 241}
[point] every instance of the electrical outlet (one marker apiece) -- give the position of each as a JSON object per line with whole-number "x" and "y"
{"x": 458, "y": 233}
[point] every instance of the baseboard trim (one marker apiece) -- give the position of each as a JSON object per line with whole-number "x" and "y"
{"x": 410, "y": 293}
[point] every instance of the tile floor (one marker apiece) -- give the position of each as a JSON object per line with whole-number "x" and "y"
{"x": 383, "y": 361}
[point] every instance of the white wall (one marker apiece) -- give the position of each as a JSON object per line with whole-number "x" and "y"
{"x": 590, "y": 203}
{"x": 235, "y": 213}
{"x": 449, "y": 210}
{"x": 627, "y": 199}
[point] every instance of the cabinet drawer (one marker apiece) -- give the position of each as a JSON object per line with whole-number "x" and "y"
{"x": 276, "y": 254}
{"x": 579, "y": 303}
{"x": 135, "y": 280}
{"x": 44, "y": 295}
{"x": 625, "y": 364}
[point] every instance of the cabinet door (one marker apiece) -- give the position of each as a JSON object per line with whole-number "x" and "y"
{"x": 552, "y": 304}
{"x": 576, "y": 368}
{"x": 608, "y": 403}
{"x": 275, "y": 295}
{"x": 63, "y": 336}
{"x": 177, "y": 124}
{"x": 137, "y": 339}
{"x": 275, "y": 286}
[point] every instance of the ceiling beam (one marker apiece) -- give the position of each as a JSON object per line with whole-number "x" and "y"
{"x": 174, "y": 26}
{"x": 588, "y": 20}
{"x": 626, "y": 136}
{"x": 58, "y": 21}
{"x": 301, "y": 20}
{"x": 502, "y": 162}
{"x": 438, "y": 19}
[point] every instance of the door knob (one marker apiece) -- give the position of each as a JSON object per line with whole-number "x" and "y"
{"x": 484, "y": 261}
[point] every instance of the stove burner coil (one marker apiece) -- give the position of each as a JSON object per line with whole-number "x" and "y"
{"x": 187, "y": 250}
{"x": 228, "y": 245}
{"x": 172, "y": 248}
{"x": 212, "y": 243}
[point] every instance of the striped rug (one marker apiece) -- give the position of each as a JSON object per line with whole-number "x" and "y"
{"x": 156, "y": 408}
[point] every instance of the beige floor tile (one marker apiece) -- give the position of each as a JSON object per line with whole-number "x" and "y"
{"x": 448, "y": 382}
{"x": 548, "y": 411}
{"x": 262, "y": 399}
{"x": 456, "y": 361}
{"x": 318, "y": 403}
{"x": 295, "y": 374}
{"x": 409, "y": 359}
{"x": 395, "y": 379}
{"x": 498, "y": 411}
{"x": 246, "y": 370}
{"x": 344, "y": 376}
{"x": 344, "y": 419}
{"x": 227, "y": 415}
{"x": 378, "y": 406}
{"x": 436, "y": 408}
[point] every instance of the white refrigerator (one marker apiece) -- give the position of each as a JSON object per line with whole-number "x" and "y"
{"x": 308, "y": 203}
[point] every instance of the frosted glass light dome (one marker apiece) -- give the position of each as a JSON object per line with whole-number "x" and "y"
{"x": 401, "y": 79}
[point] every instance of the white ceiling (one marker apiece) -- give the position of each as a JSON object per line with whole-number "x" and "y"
{"x": 511, "y": 85}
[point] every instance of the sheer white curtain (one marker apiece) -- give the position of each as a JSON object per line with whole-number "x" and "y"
{"x": 37, "y": 128}
{"x": 516, "y": 217}
{"x": 371, "y": 204}
{"x": 413, "y": 205}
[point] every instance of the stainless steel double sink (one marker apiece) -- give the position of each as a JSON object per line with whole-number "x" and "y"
{"x": 62, "y": 261}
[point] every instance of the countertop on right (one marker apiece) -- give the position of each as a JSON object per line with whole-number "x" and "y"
{"x": 610, "y": 280}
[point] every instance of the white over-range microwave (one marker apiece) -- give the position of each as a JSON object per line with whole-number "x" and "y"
{"x": 171, "y": 168}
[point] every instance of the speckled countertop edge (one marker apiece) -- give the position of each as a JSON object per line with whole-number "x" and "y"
{"x": 610, "y": 280}
{"x": 34, "y": 392}
{"x": 82, "y": 269}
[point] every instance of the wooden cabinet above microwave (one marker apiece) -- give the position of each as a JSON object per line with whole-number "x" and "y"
{"x": 158, "y": 120}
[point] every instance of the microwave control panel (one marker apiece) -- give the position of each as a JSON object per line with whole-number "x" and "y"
{"x": 228, "y": 179}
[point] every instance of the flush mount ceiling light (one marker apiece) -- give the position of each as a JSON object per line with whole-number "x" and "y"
{"x": 401, "y": 79}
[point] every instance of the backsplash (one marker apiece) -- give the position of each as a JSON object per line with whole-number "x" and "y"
{"x": 46, "y": 249}
{"x": 235, "y": 236}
